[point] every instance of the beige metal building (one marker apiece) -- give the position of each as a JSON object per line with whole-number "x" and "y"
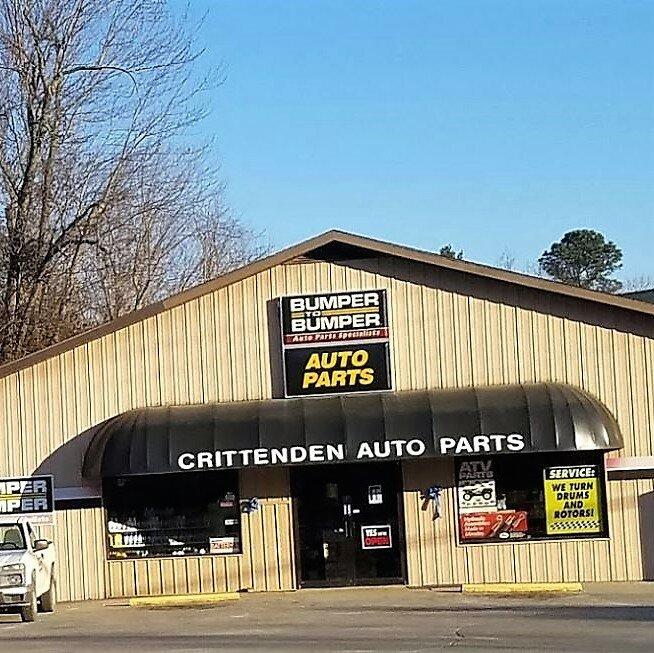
{"x": 438, "y": 422}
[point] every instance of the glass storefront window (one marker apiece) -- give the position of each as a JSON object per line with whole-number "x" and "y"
{"x": 195, "y": 513}
{"x": 530, "y": 497}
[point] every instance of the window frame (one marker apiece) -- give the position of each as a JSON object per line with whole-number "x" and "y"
{"x": 106, "y": 508}
{"x": 22, "y": 534}
{"x": 552, "y": 459}
{"x": 31, "y": 534}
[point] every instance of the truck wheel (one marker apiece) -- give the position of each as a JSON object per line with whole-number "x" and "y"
{"x": 49, "y": 599}
{"x": 28, "y": 613}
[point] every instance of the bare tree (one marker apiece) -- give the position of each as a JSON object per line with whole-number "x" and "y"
{"x": 507, "y": 260}
{"x": 638, "y": 283}
{"x": 157, "y": 253}
{"x": 102, "y": 195}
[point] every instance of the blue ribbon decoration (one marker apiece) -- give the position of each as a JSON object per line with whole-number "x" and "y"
{"x": 433, "y": 493}
{"x": 250, "y": 505}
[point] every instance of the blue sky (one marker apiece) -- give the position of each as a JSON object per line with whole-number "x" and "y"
{"x": 490, "y": 125}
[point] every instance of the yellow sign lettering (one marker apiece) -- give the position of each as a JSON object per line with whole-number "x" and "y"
{"x": 313, "y": 363}
{"x": 572, "y": 507}
{"x": 309, "y": 379}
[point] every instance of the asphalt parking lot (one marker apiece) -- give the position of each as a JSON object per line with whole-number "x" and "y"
{"x": 604, "y": 618}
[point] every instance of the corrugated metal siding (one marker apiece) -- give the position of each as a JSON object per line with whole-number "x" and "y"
{"x": 216, "y": 348}
{"x": 78, "y": 537}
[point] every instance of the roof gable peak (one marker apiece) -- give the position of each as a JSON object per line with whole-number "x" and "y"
{"x": 322, "y": 247}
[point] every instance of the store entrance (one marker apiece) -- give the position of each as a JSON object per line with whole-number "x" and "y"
{"x": 349, "y": 524}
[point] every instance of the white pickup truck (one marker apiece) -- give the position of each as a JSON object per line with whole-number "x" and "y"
{"x": 27, "y": 579}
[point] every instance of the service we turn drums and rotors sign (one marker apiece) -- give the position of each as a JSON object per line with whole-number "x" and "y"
{"x": 573, "y": 503}
{"x": 335, "y": 342}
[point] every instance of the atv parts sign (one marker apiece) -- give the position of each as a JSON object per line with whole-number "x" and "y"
{"x": 573, "y": 500}
{"x": 31, "y": 495}
{"x": 476, "y": 486}
{"x": 335, "y": 342}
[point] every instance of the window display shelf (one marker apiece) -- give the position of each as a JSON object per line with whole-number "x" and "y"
{"x": 197, "y": 513}
{"x": 159, "y": 546}
{"x": 178, "y": 529}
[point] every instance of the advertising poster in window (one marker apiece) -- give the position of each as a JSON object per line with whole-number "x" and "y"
{"x": 501, "y": 525}
{"x": 573, "y": 500}
{"x": 335, "y": 343}
{"x": 482, "y": 514}
{"x": 476, "y": 486}
{"x": 224, "y": 545}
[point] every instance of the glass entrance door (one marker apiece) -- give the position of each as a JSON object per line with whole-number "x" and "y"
{"x": 349, "y": 526}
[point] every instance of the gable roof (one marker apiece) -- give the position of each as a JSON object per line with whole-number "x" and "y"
{"x": 327, "y": 246}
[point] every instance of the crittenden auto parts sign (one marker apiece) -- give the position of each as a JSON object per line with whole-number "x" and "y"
{"x": 335, "y": 342}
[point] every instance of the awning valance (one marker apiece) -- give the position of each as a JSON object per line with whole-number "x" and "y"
{"x": 375, "y": 426}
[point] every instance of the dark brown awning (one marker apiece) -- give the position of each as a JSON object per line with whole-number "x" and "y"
{"x": 385, "y": 425}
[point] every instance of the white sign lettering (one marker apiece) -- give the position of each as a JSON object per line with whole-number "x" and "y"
{"x": 311, "y": 303}
{"x": 386, "y": 448}
{"x": 315, "y": 453}
{"x": 367, "y": 450}
{"x": 27, "y": 496}
{"x": 482, "y": 444}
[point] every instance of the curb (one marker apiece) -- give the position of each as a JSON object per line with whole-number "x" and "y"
{"x": 520, "y": 588}
{"x": 182, "y": 600}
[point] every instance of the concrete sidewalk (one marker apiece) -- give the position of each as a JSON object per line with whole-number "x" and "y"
{"x": 615, "y": 617}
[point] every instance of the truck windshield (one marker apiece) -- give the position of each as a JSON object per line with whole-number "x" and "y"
{"x": 11, "y": 537}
